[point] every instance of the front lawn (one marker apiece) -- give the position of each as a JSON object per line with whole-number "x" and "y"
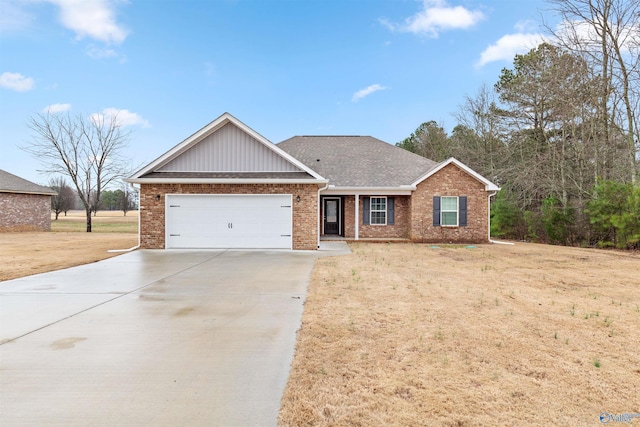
{"x": 417, "y": 335}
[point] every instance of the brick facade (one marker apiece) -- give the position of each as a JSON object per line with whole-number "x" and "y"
{"x": 414, "y": 215}
{"x": 450, "y": 181}
{"x": 400, "y": 228}
{"x": 305, "y": 212}
{"x": 25, "y": 212}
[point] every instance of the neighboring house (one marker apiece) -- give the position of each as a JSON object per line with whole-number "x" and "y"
{"x": 227, "y": 186}
{"x": 24, "y": 206}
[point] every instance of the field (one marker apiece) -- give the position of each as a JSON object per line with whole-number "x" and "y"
{"x": 416, "y": 335}
{"x": 67, "y": 245}
{"x": 103, "y": 222}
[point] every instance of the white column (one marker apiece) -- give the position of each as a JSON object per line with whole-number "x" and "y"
{"x": 357, "y": 215}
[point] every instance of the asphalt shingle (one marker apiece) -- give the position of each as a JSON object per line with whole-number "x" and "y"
{"x": 10, "y": 183}
{"x": 357, "y": 161}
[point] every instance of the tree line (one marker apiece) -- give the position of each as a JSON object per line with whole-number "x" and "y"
{"x": 122, "y": 199}
{"x": 558, "y": 131}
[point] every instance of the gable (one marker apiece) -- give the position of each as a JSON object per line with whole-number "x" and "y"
{"x": 229, "y": 149}
{"x": 225, "y": 150}
{"x": 488, "y": 185}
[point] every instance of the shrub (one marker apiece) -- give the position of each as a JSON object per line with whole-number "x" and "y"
{"x": 614, "y": 212}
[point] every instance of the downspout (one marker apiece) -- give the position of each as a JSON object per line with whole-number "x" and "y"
{"x": 138, "y": 245}
{"x": 319, "y": 209}
{"x": 489, "y": 221}
{"x": 357, "y": 219}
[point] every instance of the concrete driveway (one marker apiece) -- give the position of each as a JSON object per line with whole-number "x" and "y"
{"x": 163, "y": 338}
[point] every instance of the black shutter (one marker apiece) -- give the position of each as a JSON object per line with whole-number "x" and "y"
{"x": 462, "y": 212}
{"x": 436, "y": 211}
{"x": 365, "y": 210}
{"x": 390, "y": 211}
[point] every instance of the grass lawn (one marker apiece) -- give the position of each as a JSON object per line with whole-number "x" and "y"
{"x": 415, "y": 335}
{"x": 68, "y": 244}
{"x": 103, "y": 222}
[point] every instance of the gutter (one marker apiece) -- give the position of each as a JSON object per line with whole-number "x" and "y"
{"x": 224, "y": 181}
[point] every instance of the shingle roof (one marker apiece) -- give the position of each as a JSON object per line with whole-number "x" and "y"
{"x": 358, "y": 161}
{"x": 10, "y": 183}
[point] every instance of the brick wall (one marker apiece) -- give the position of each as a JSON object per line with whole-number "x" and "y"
{"x": 305, "y": 212}
{"x": 400, "y": 229}
{"x": 450, "y": 181}
{"x": 25, "y": 212}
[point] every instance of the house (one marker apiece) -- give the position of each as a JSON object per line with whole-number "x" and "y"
{"x": 226, "y": 186}
{"x": 24, "y": 206}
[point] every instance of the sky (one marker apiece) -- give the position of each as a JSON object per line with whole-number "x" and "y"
{"x": 283, "y": 67}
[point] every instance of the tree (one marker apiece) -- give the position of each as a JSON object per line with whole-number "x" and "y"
{"x": 87, "y": 150}
{"x": 65, "y": 199}
{"x": 429, "y": 140}
{"x": 615, "y": 214}
{"x": 607, "y": 32}
{"x": 125, "y": 200}
{"x": 109, "y": 200}
{"x": 481, "y": 134}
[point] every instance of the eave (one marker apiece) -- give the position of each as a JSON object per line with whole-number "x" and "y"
{"x": 224, "y": 181}
{"x": 403, "y": 190}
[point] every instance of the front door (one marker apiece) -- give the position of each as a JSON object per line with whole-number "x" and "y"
{"x": 331, "y": 216}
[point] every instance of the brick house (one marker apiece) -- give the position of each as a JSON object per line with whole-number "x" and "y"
{"x": 227, "y": 186}
{"x": 24, "y": 206}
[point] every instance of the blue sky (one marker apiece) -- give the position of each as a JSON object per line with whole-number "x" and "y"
{"x": 283, "y": 67}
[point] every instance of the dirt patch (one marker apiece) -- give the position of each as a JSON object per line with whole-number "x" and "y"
{"x": 408, "y": 334}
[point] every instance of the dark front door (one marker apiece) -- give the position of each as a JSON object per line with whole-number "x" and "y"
{"x": 331, "y": 216}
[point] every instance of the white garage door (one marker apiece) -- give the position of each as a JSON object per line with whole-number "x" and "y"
{"x": 228, "y": 221}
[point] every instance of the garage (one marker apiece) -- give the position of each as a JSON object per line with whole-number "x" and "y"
{"x": 205, "y": 221}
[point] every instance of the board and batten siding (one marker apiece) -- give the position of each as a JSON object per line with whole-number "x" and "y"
{"x": 229, "y": 149}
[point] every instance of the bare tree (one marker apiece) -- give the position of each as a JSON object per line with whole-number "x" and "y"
{"x": 125, "y": 199}
{"x": 607, "y": 32}
{"x": 65, "y": 199}
{"x": 479, "y": 114}
{"x": 87, "y": 150}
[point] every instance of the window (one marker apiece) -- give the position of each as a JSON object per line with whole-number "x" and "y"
{"x": 449, "y": 211}
{"x": 379, "y": 210}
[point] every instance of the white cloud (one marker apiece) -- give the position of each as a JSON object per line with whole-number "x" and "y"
{"x": 506, "y": 48}
{"x": 122, "y": 117}
{"x": 366, "y": 92}
{"x": 14, "y": 17}
{"x": 16, "y": 81}
{"x": 437, "y": 16}
{"x": 56, "y": 108}
{"x": 583, "y": 33}
{"x": 100, "y": 53}
{"x": 91, "y": 18}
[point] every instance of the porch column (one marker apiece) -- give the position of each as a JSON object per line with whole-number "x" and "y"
{"x": 357, "y": 196}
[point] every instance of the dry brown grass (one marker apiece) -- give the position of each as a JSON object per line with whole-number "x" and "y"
{"x": 27, "y": 253}
{"x": 103, "y": 222}
{"x": 410, "y": 335}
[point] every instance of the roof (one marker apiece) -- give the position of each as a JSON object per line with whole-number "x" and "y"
{"x": 488, "y": 185}
{"x": 358, "y": 161}
{"x": 10, "y": 183}
{"x": 211, "y": 156}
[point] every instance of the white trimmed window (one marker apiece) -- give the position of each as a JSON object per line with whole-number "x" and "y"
{"x": 449, "y": 211}
{"x": 378, "y": 210}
